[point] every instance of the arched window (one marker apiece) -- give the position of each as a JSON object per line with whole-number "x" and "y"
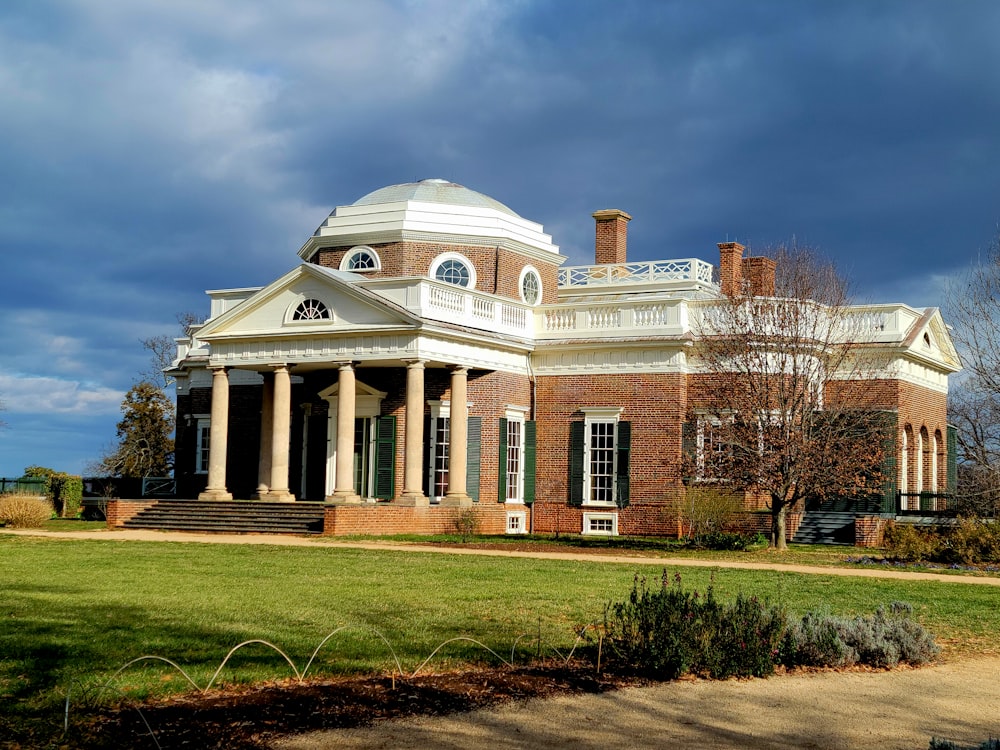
{"x": 926, "y": 460}
{"x": 530, "y": 286}
{"x": 311, "y": 309}
{"x": 904, "y": 460}
{"x": 939, "y": 461}
{"x": 360, "y": 259}
{"x": 453, "y": 268}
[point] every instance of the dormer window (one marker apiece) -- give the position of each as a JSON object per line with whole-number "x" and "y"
{"x": 453, "y": 268}
{"x": 311, "y": 309}
{"x": 361, "y": 259}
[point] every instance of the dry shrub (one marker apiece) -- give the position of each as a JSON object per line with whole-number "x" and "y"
{"x": 24, "y": 511}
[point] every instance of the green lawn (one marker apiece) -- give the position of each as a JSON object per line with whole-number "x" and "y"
{"x": 75, "y": 611}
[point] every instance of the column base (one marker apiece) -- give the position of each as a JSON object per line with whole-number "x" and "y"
{"x": 344, "y": 498}
{"x": 277, "y": 496}
{"x": 456, "y": 501}
{"x": 413, "y": 500}
{"x": 215, "y": 495}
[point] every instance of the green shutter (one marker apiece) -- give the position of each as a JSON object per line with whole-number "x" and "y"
{"x": 502, "y": 463}
{"x": 576, "y": 432}
{"x": 529, "y": 462}
{"x": 689, "y": 450}
{"x": 474, "y": 458}
{"x": 890, "y": 471}
{"x": 621, "y": 467}
{"x": 952, "y": 459}
{"x": 385, "y": 457}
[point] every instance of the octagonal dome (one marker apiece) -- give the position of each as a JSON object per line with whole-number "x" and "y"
{"x": 433, "y": 190}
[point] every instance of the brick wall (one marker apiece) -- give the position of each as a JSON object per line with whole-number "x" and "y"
{"x": 342, "y": 520}
{"x": 120, "y": 511}
{"x": 869, "y": 531}
{"x": 497, "y": 269}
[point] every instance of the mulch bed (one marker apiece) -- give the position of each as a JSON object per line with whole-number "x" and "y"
{"x": 254, "y": 716}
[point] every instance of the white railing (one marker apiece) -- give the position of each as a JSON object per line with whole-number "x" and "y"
{"x": 617, "y": 319}
{"x": 455, "y": 305}
{"x": 688, "y": 270}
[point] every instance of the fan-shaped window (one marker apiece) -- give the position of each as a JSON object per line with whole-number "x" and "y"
{"x": 453, "y": 268}
{"x": 311, "y": 309}
{"x": 361, "y": 259}
{"x": 530, "y": 286}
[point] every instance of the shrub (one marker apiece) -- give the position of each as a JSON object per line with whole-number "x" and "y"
{"x": 467, "y": 524}
{"x": 668, "y": 632}
{"x": 24, "y": 511}
{"x": 814, "y": 641}
{"x": 972, "y": 541}
{"x": 881, "y": 640}
{"x": 65, "y": 491}
{"x": 908, "y": 543}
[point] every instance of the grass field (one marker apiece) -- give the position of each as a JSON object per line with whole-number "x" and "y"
{"x": 73, "y": 612}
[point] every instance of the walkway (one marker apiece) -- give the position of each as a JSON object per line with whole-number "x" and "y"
{"x": 143, "y": 535}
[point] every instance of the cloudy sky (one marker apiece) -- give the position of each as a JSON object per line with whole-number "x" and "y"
{"x": 153, "y": 149}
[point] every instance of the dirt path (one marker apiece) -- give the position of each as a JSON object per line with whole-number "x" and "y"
{"x": 959, "y": 701}
{"x": 294, "y": 541}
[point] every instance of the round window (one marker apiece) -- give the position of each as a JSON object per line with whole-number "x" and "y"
{"x": 453, "y": 271}
{"x": 531, "y": 286}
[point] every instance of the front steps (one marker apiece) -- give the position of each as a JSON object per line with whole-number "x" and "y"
{"x": 230, "y": 517}
{"x": 825, "y": 527}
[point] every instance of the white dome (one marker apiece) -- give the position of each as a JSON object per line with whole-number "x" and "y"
{"x": 432, "y": 191}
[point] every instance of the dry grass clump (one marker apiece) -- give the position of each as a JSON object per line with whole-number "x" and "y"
{"x": 20, "y": 511}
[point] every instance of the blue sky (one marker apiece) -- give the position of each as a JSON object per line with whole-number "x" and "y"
{"x": 152, "y": 150}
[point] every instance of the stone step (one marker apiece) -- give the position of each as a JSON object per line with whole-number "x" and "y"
{"x": 825, "y": 527}
{"x": 230, "y": 517}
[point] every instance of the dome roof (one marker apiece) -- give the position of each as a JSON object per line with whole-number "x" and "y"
{"x": 432, "y": 191}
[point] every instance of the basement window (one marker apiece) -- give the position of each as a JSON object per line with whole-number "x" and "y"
{"x": 600, "y": 524}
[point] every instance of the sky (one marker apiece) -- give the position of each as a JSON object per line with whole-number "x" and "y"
{"x": 152, "y": 150}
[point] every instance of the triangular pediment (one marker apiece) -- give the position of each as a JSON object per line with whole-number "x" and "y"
{"x": 308, "y": 300}
{"x": 930, "y": 339}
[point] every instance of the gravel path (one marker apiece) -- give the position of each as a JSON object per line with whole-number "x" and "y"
{"x": 902, "y": 709}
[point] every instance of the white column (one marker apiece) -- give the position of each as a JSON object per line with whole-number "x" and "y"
{"x": 344, "y": 492}
{"x": 218, "y": 437}
{"x": 458, "y": 439}
{"x": 281, "y": 423}
{"x": 413, "y": 493}
{"x": 266, "y": 429}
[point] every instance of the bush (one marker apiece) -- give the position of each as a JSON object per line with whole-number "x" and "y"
{"x": 908, "y": 543}
{"x": 972, "y": 541}
{"x": 24, "y": 511}
{"x": 467, "y": 524}
{"x": 64, "y": 490}
{"x": 730, "y": 541}
{"x": 668, "y": 632}
{"x": 881, "y": 640}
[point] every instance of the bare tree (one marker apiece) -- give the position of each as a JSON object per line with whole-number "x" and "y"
{"x": 781, "y": 420}
{"x": 974, "y": 406}
{"x": 161, "y": 351}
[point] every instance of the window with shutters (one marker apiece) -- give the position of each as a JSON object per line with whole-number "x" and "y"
{"x": 603, "y": 458}
{"x": 204, "y": 430}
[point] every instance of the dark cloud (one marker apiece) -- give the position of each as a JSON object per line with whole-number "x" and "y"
{"x": 153, "y": 150}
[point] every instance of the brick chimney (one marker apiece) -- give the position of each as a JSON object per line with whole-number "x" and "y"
{"x": 612, "y": 235}
{"x": 731, "y": 267}
{"x": 759, "y": 271}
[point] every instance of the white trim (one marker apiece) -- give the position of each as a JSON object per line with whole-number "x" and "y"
{"x": 203, "y": 426}
{"x": 355, "y": 251}
{"x": 514, "y": 416}
{"x": 517, "y": 522}
{"x": 529, "y": 269}
{"x": 458, "y": 257}
{"x": 593, "y": 416}
{"x": 601, "y": 519}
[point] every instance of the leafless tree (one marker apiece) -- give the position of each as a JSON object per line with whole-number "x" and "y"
{"x": 782, "y": 419}
{"x": 974, "y": 405}
{"x": 161, "y": 351}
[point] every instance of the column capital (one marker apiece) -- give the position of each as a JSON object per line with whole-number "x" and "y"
{"x": 216, "y": 369}
{"x": 279, "y": 366}
{"x": 415, "y": 364}
{"x": 459, "y": 369}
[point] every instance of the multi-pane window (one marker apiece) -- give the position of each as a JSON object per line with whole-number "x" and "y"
{"x": 204, "y": 430}
{"x": 713, "y": 449}
{"x": 360, "y": 259}
{"x": 600, "y": 461}
{"x": 440, "y": 432}
{"x": 311, "y": 309}
{"x": 515, "y": 461}
{"x": 453, "y": 271}
{"x": 531, "y": 286}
